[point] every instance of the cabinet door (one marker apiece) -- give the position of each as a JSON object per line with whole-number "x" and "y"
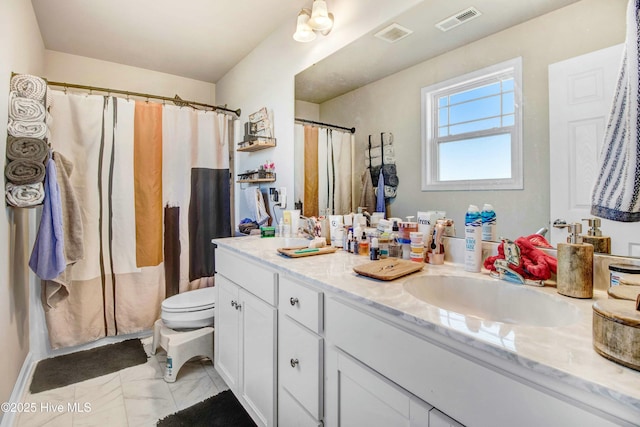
{"x": 258, "y": 349}
{"x": 291, "y": 413}
{"x": 226, "y": 335}
{"x": 358, "y": 396}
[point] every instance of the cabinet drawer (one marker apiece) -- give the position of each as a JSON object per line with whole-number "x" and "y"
{"x": 300, "y": 365}
{"x": 255, "y": 278}
{"x": 301, "y": 303}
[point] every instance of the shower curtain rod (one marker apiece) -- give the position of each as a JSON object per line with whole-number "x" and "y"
{"x": 352, "y": 130}
{"x": 144, "y": 95}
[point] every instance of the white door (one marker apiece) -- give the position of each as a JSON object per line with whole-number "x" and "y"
{"x": 258, "y": 357}
{"x": 226, "y": 336}
{"x": 580, "y": 95}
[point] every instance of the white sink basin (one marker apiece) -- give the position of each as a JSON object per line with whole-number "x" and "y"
{"x": 284, "y": 242}
{"x": 493, "y": 300}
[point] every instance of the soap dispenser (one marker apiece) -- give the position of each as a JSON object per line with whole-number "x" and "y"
{"x": 575, "y": 264}
{"x": 601, "y": 244}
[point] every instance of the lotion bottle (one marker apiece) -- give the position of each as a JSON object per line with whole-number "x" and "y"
{"x": 473, "y": 240}
{"x": 601, "y": 244}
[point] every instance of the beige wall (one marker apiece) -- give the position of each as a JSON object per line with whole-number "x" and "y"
{"x": 21, "y": 51}
{"x": 63, "y": 67}
{"x": 265, "y": 78}
{"x": 393, "y": 105}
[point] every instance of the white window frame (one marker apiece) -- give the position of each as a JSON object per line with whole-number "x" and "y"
{"x": 430, "y": 139}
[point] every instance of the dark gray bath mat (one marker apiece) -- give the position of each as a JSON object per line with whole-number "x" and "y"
{"x": 71, "y": 368}
{"x": 221, "y": 410}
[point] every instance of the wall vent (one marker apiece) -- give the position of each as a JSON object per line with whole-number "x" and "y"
{"x": 458, "y": 19}
{"x": 393, "y": 33}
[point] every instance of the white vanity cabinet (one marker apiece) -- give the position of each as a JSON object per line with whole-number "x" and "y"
{"x": 245, "y": 342}
{"x": 300, "y": 354}
{"x": 471, "y": 390}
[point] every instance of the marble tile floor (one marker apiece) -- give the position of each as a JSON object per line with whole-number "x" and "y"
{"x": 133, "y": 397}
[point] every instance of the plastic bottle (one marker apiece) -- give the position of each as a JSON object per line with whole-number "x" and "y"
{"x": 281, "y": 228}
{"x": 363, "y": 245}
{"x": 395, "y": 248}
{"x": 374, "y": 252}
{"x": 489, "y": 220}
{"x": 473, "y": 239}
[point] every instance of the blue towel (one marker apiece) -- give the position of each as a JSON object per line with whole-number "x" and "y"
{"x": 47, "y": 258}
{"x": 616, "y": 194}
{"x": 380, "y": 193}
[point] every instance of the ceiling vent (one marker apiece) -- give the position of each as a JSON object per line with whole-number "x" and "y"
{"x": 393, "y": 33}
{"x": 458, "y": 19}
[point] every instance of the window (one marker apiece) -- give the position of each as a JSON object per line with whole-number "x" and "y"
{"x": 472, "y": 132}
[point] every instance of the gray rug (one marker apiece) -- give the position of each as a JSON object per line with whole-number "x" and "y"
{"x": 71, "y": 368}
{"x": 221, "y": 410}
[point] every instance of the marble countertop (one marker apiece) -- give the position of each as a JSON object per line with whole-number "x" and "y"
{"x": 563, "y": 353}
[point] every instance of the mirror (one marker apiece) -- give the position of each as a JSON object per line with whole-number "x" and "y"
{"x": 374, "y": 86}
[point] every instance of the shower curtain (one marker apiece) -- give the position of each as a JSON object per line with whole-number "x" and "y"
{"x": 324, "y": 184}
{"x": 152, "y": 182}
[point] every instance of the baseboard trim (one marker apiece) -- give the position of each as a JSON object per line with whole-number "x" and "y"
{"x": 22, "y": 382}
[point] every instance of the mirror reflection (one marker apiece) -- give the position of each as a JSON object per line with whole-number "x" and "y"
{"x": 375, "y": 86}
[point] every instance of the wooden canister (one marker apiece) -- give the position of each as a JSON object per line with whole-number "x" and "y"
{"x": 624, "y": 292}
{"x": 616, "y": 331}
{"x": 575, "y": 270}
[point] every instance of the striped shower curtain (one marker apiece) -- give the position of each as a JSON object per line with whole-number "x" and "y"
{"x": 324, "y": 183}
{"x": 152, "y": 182}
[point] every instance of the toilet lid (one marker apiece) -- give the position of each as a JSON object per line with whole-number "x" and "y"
{"x": 199, "y": 299}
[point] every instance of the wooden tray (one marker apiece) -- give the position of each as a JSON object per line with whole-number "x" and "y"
{"x": 290, "y": 252}
{"x": 388, "y": 269}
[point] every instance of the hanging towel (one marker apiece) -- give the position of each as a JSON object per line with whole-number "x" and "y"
{"x": 27, "y": 148}
{"x": 616, "y": 194}
{"x": 25, "y": 109}
{"x": 58, "y": 289}
{"x": 367, "y": 197}
{"x": 23, "y": 196}
{"x": 47, "y": 257}
{"x": 29, "y": 86}
{"x": 29, "y": 129}
{"x": 257, "y": 208}
{"x": 380, "y": 207}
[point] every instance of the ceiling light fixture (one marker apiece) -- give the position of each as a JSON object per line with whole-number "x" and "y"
{"x": 310, "y": 22}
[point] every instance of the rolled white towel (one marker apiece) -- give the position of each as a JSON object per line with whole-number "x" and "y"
{"x": 24, "y": 195}
{"x": 25, "y": 109}
{"x": 375, "y": 161}
{"x": 29, "y": 86}
{"x": 387, "y": 150}
{"x": 28, "y": 129}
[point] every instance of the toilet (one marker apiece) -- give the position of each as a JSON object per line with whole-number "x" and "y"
{"x": 185, "y": 329}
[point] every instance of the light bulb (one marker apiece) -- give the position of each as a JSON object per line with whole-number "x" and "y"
{"x": 320, "y": 16}
{"x": 304, "y": 33}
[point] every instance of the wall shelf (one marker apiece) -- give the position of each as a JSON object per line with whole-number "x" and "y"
{"x": 254, "y": 181}
{"x": 256, "y": 143}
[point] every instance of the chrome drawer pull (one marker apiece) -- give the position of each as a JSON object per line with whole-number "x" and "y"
{"x": 238, "y": 306}
{"x": 233, "y": 303}
{"x": 293, "y": 301}
{"x": 293, "y": 362}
